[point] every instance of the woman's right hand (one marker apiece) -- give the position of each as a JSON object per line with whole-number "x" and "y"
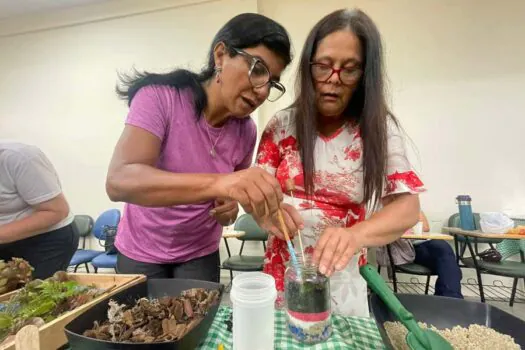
{"x": 256, "y": 190}
{"x": 259, "y": 193}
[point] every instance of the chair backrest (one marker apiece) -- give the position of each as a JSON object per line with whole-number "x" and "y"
{"x": 453, "y": 221}
{"x": 84, "y": 224}
{"x": 110, "y": 217}
{"x": 253, "y": 232}
{"x": 519, "y": 221}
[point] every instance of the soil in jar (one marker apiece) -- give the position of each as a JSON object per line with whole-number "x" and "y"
{"x": 308, "y": 296}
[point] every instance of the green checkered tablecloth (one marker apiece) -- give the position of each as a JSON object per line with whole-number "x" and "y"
{"x": 510, "y": 247}
{"x": 349, "y": 333}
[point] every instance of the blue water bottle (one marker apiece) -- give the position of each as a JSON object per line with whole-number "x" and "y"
{"x": 466, "y": 219}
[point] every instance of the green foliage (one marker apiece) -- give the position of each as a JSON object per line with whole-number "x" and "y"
{"x": 44, "y": 300}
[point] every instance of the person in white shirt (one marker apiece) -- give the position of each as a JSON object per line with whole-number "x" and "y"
{"x": 36, "y": 223}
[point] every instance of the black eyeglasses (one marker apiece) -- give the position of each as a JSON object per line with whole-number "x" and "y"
{"x": 260, "y": 76}
{"x": 322, "y": 72}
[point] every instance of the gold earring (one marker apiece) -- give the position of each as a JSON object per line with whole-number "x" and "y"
{"x": 218, "y": 71}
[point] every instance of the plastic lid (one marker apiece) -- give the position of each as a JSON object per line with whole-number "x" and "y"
{"x": 463, "y": 197}
{"x": 253, "y": 288}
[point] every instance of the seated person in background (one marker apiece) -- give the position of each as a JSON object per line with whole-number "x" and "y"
{"x": 436, "y": 255}
{"x": 35, "y": 221}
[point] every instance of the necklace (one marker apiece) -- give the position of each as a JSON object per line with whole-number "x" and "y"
{"x": 213, "y": 144}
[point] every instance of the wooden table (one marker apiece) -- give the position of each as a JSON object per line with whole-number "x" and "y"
{"x": 428, "y": 235}
{"x": 479, "y": 234}
{"x": 230, "y": 233}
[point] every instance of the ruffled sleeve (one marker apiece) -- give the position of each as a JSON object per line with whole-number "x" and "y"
{"x": 400, "y": 175}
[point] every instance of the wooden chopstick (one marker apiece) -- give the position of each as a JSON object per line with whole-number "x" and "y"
{"x": 284, "y": 228}
{"x": 290, "y": 186}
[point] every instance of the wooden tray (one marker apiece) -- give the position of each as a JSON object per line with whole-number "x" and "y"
{"x": 52, "y": 334}
{"x": 6, "y": 296}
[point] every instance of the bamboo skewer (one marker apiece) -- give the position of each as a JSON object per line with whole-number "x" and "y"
{"x": 290, "y": 187}
{"x": 284, "y": 228}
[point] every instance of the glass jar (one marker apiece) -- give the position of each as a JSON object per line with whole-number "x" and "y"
{"x": 307, "y": 303}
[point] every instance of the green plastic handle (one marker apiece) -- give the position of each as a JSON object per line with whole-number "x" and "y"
{"x": 379, "y": 286}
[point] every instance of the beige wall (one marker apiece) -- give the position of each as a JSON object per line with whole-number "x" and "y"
{"x": 59, "y": 72}
{"x": 57, "y": 86}
{"x": 456, "y": 74}
{"x": 457, "y": 82}
{"x": 456, "y": 71}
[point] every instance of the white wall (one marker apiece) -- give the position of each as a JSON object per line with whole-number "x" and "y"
{"x": 456, "y": 72}
{"x": 57, "y": 86}
{"x": 457, "y": 84}
{"x": 457, "y": 81}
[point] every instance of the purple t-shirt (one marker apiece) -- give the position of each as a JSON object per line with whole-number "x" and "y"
{"x": 183, "y": 232}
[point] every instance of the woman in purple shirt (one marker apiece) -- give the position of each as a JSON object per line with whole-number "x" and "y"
{"x": 183, "y": 160}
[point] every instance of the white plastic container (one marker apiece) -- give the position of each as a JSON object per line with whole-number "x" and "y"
{"x": 253, "y": 297}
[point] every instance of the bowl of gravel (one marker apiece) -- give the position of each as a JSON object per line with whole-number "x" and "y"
{"x": 466, "y": 325}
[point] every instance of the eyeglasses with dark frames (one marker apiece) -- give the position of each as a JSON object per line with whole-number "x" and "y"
{"x": 260, "y": 76}
{"x": 322, "y": 72}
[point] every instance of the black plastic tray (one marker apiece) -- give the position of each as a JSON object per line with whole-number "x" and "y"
{"x": 444, "y": 312}
{"x": 153, "y": 288}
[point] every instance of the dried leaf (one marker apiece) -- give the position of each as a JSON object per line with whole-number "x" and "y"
{"x": 156, "y": 320}
{"x": 168, "y": 325}
{"x": 177, "y": 310}
{"x": 179, "y": 331}
{"x": 138, "y": 335}
{"x": 126, "y": 334}
{"x": 187, "y": 308}
{"x": 127, "y": 318}
{"x": 165, "y": 301}
{"x": 115, "y": 311}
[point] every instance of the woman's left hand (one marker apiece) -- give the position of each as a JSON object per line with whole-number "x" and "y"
{"x": 225, "y": 211}
{"x": 335, "y": 249}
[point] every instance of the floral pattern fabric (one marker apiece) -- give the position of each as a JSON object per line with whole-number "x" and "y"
{"x": 337, "y": 200}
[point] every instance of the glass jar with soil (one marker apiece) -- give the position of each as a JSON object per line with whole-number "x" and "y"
{"x": 307, "y": 303}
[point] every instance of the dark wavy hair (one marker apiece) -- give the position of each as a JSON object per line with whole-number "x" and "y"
{"x": 243, "y": 31}
{"x": 367, "y": 107}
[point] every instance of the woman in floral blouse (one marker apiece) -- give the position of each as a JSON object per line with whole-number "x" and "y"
{"x": 345, "y": 153}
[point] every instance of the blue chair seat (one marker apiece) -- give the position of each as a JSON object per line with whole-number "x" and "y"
{"x": 83, "y": 256}
{"x": 107, "y": 261}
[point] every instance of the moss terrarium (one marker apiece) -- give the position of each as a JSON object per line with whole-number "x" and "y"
{"x": 307, "y": 299}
